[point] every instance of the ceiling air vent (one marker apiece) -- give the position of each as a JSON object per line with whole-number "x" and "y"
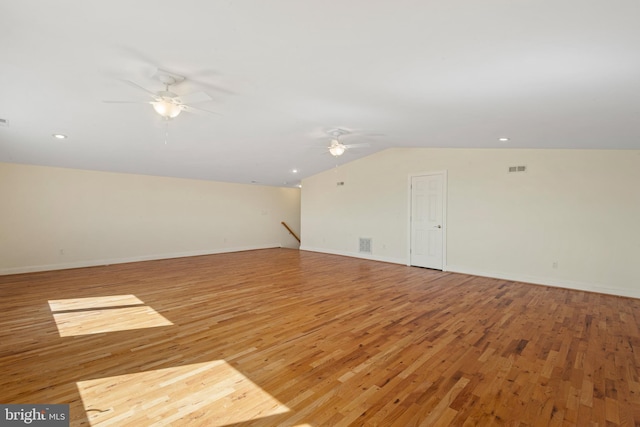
{"x": 365, "y": 245}
{"x": 4, "y": 123}
{"x": 513, "y": 169}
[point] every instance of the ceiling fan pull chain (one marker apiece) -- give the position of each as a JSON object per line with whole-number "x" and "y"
{"x": 166, "y": 130}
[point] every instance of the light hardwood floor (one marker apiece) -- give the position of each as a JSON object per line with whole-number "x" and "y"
{"x": 286, "y": 337}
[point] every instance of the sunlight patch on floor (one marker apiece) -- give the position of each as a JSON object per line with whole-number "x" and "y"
{"x": 210, "y": 393}
{"x": 94, "y": 302}
{"x": 84, "y": 316}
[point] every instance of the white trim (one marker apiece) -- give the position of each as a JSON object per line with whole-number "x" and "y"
{"x": 538, "y": 280}
{"x": 547, "y": 281}
{"x": 444, "y": 215}
{"x": 535, "y": 280}
{"x": 100, "y": 262}
{"x": 355, "y": 255}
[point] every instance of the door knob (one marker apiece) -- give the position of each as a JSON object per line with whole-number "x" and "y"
{"x": 437, "y": 226}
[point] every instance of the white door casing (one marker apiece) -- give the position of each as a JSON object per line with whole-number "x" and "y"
{"x": 427, "y": 234}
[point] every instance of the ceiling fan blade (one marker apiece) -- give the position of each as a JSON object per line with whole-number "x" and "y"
{"x": 194, "y": 98}
{"x": 363, "y": 133}
{"x": 211, "y": 80}
{"x": 128, "y": 102}
{"x": 217, "y": 88}
{"x": 191, "y": 109}
{"x": 137, "y": 86}
{"x": 362, "y": 144}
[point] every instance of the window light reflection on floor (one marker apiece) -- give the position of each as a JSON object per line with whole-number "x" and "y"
{"x": 211, "y": 393}
{"x": 84, "y": 316}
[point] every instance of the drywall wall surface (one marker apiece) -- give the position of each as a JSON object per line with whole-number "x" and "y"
{"x": 570, "y": 220}
{"x": 61, "y": 218}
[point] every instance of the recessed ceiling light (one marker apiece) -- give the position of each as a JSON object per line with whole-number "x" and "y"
{"x": 295, "y": 171}
{"x": 503, "y": 139}
{"x": 59, "y": 136}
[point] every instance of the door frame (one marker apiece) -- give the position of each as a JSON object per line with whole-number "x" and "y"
{"x": 444, "y": 214}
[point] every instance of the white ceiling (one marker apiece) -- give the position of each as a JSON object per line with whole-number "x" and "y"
{"x": 454, "y": 73}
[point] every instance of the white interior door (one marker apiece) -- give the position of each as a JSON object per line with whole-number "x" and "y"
{"x": 427, "y": 220}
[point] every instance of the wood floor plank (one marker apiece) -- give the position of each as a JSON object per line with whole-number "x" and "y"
{"x": 280, "y": 337}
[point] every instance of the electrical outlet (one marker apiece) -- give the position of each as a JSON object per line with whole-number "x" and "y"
{"x": 555, "y": 264}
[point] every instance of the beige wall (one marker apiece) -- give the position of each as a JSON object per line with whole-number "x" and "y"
{"x": 60, "y": 218}
{"x": 579, "y": 208}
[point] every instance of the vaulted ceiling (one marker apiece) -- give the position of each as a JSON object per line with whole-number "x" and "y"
{"x": 281, "y": 73}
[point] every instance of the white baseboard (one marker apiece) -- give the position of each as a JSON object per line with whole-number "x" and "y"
{"x": 99, "y": 262}
{"x": 537, "y": 280}
{"x": 356, "y": 255}
{"x": 547, "y": 281}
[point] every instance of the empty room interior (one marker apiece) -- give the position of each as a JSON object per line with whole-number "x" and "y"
{"x": 292, "y": 213}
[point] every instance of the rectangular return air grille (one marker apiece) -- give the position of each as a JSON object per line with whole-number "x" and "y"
{"x": 513, "y": 169}
{"x": 365, "y": 245}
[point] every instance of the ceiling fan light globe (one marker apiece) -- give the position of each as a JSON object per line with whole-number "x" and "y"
{"x": 167, "y": 109}
{"x": 337, "y": 150}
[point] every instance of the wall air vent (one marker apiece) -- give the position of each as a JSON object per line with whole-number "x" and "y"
{"x": 365, "y": 245}
{"x": 4, "y": 123}
{"x": 513, "y": 169}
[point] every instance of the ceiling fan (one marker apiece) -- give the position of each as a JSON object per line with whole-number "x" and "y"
{"x": 336, "y": 147}
{"x": 165, "y": 102}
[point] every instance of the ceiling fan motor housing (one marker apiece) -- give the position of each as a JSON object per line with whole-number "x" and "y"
{"x": 168, "y": 78}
